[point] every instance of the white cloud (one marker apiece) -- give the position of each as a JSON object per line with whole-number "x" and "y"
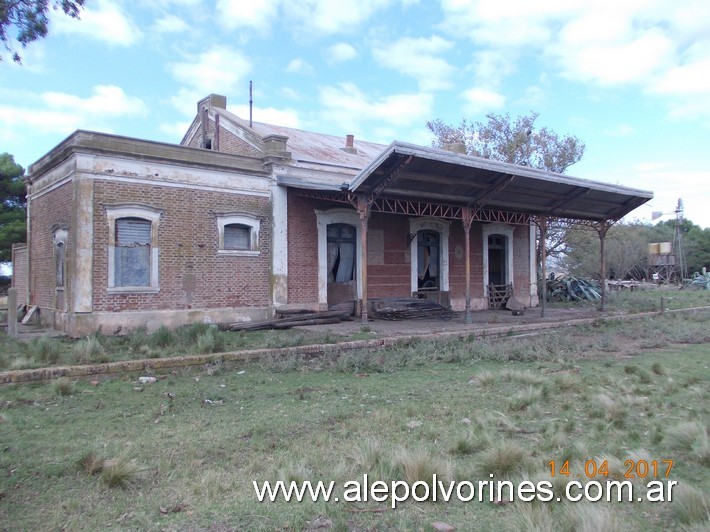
{"x": 268, "y": 115}
{"x": 329, "y": 17}
{"x": 218, "y": 70}
{"x": 621, "y": 130}
{"x": 106, "y": 22}
{"x": 482, "y": 100}
{"x": 255, "y": 14}
{"x": 659, "y": 46}
{"x": 341, "y": 52}
{"x": 176, "y": 130}
{"x": 419, "y": 59}
{"x": 631, "y": 58}
{"x": 107, "y": 100}
{"x": 57, "y": 112}
{"x": 299, "y": 66}
{"x": 346, "y": 105}
{"x": 170, "y": 24}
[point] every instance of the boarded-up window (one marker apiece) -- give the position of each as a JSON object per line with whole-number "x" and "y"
{"x": 132, "y": 255}
{"x": 237, "y": 236}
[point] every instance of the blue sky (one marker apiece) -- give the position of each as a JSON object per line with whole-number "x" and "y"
{"x": 630, "y": 78}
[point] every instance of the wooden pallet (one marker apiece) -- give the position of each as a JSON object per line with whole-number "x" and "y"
{"x": 498, "y": 295}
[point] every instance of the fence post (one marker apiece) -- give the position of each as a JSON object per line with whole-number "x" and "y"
{"x": 12, "y": 311}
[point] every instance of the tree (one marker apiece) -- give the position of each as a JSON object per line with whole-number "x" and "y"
{"x": 511, "y": 142}
{"x": 30, "y": 20}
{"x": 626, "y": 248}
{"x": 625, "y": 251}
{"x": 12, "y": 205}
{"x": 520, "y": 143}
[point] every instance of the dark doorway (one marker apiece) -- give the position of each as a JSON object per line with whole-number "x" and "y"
{"x": 497, "y": 260}
{"x": 342, "y": 289}
{"x": 428, "y": 263}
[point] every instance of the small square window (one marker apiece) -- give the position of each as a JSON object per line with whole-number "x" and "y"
{"x": 237, "y": 236}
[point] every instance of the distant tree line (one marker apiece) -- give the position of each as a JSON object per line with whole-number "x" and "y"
{"x": 626, "y": 248}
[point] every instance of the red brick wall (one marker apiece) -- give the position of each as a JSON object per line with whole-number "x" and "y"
{"x": 302, "y": 250}
{"x": 20, "y": 272}
{"x": 228, "y": 142}
{"x": 191, "y": 273}
{"x": 47, "y": 211}
{"x": 393, "y": 278}
{"x": 521, "y": 262}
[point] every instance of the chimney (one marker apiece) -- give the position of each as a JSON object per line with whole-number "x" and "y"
{"x": 213, "y": 100}
{"x": 349, "y": 144}
{"x": 276, "y": 146}
{"x": 455, "y": 147}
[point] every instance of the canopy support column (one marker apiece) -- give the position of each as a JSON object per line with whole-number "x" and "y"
{"x": 466, "y": 219}
{"x": 602, "y": 229}
{"x": 542, "y": 224}
{"x": 363, "y": 204}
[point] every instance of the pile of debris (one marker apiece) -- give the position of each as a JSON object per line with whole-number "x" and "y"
{"x": 288, "y": 319}
{"x": 571, "y": 288}
{"x": 700, "y": 280}
{"x": 409, "y": 308}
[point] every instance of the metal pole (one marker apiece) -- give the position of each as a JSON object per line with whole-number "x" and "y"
{"x": 543, "y": 253}
{"x": 363, "y": 209}
{"x": 602, "y": 229}
{"x": 467, "y": 218}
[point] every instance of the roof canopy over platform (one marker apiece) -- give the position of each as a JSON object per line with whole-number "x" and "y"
{"x": 410, "y": 172}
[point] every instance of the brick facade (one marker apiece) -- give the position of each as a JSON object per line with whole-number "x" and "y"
{"x": 192, "y": 274}
{"x": 48, "y": 212}
{"x": 20, "y": 272}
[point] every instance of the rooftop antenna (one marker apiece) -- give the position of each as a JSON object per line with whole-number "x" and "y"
{"x": 251, "y": 102}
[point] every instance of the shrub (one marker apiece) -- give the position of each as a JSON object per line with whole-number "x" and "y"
{"x": 690, "y": 505}
{"x": 420, "y": 466}
{"x": 121, "y": 472}
{"x": 63, "y": 386}
{"x": 503, "y": 458}
{"x": 162, "y": 337}
{"x": 211, "y": 341}
{"x": 683, "y": 436}
{"x": 45, "y": 350}
{"x": 89, "y": 350}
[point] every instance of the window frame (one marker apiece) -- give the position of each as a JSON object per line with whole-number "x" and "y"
{"x": 435, "y": 225}
{"x": 116, "y": 212}
{"x": 59, "y": 240}
{"x": 245, "y": 220}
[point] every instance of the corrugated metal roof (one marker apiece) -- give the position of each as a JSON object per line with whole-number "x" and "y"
{"x": 319, "y": 162}
{"x": 409, "y": 171}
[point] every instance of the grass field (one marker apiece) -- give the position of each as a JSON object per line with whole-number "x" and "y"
{"x": 181, "y": 453}
{"x": 201, "y": 338}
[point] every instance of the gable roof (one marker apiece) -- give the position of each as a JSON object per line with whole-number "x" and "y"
{"x": 418, "y": 173}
